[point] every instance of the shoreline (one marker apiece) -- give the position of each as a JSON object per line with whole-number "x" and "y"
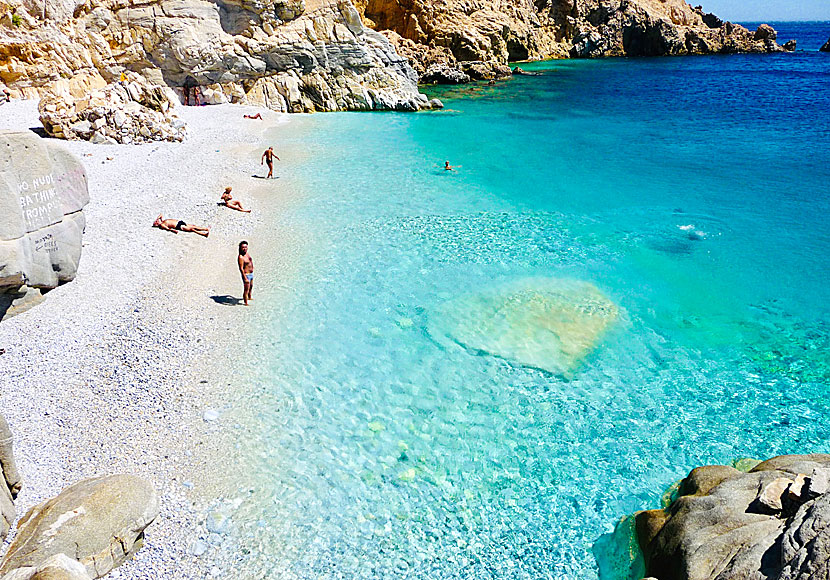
{"x": 113, "y": 371}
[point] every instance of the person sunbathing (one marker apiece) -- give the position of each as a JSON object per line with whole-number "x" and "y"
{"x": 176, "y": 226}
{"x": 229, "y": 201}
{"x": 257, "y": 116}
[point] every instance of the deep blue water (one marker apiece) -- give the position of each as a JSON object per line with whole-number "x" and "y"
{"x": 692, "y": 192}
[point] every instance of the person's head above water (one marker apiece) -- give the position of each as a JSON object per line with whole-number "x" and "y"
{"x": 446, "y": 163}
{"x": 243, "y": 248}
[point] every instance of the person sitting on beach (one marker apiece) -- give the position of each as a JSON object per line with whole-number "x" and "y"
{"x": 229, "y": 201}
{"x": 257, "y": 116}
{"x": 176, "y": 226}
{"x": 246, "y": 268}
{"x": 268, "y": 157}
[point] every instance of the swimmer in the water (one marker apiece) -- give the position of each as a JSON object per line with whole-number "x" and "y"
{"x": 448, "y": 167}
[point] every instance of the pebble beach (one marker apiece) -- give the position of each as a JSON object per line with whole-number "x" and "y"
{"x": 121, "y": 370}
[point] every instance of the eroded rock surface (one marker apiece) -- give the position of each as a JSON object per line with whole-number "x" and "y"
{"x": 10, "y": 482}
{"x": 99, "y": 522}
{"x": 291, "y": 55}
{"x": 43, "y": 190}
{"x": 128, "y": 111}
{"x": 772, "y": 522}
{"x": 545, "y": 323}
{"x": 494, "y": 32}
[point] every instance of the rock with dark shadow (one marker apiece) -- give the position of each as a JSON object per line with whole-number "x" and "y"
{"x": 772, "y": 522}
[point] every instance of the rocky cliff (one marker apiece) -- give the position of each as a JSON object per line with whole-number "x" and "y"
{"x": 326, "y": 55}
{"x": 477, "y": 38}
{"x": 290, "y": 55}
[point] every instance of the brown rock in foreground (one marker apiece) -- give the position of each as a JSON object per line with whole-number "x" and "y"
{"x": 100, "y": 522}
{"x": 772, "y": 522}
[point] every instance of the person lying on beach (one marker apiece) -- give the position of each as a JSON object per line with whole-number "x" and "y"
{"x": 257, "y": 116}
{"x": 176, "y": 226}
{"x": 268, "y": 157}
{"x": 229, "y": 201}
{"x": 246, "y": 268}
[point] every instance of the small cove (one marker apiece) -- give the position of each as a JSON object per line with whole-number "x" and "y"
{"x": 692, "y": 192}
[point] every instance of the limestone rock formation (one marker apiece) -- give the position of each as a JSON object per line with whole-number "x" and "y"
{"x": 10, "y": 482}
{"x": 128, "y": 111}
{"x": 290, "y": 55}
{"x": 545, "y": 323}
{"x": 772, "y": 522}
{"x": 494, "y": 32}
{"x": 58, "y": 567}
{"x": 43, "y": 189}
{"x": 99, "y": 521}
{"x": 826, "y": 47}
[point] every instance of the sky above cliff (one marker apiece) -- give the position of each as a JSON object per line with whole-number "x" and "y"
{"x": 754, "y": 10}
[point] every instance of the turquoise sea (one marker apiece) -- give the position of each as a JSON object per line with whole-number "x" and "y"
{"x": 693, "y": 193}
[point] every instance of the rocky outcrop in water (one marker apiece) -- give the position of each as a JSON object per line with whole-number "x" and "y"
{"x": 772, "y": 522}
{"x": 545, "y": 323}
{"x": 826, "y": 47}
{"x": 128, "y": 111}
{"x": 493, "y": 32}
{"x": 289, "y": 55}
{"x": 43, "y": 190}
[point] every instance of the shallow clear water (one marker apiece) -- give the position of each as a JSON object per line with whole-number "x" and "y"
{"x": 692, "y": 192}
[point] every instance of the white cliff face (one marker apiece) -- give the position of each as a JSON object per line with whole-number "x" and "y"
{"x": 289, "y": 55}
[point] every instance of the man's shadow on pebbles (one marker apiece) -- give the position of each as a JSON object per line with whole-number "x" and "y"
{"x": 227, "y": 300}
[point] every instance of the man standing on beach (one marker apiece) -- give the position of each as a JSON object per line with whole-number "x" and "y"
{"x": 246, "y": 268}
{"x": 268, "y": 157}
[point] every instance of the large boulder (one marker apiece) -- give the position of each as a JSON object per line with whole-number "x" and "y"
{"x": 99, "y": 521}
{"x": 57, "y": 567}
{"x": 43, "y": 190}
{"x": 10, "y": 481}
{"x": 131, "y": 110}
{"x": 772, "y": 522}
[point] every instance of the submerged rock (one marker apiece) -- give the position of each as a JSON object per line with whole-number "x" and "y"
{"x": 546, "y": 323}
{"x": 43, "y": 190}
{"x": 99, "y": 521}
{"x": 772, "y": 522}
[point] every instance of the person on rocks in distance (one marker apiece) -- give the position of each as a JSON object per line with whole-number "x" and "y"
{"x": 268, "y": 157}
{"x": 229, "y": 201}
{"x": 246, "y": 268}
{"x": 176, "y": 226}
